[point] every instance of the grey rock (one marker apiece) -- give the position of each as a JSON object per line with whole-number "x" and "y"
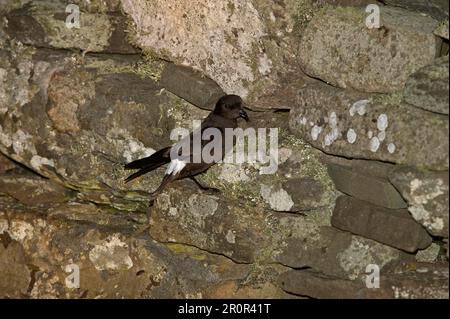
{"x": 357, "y": 183}
{"x": 429, "y": 254}
{"x": 442, "y": 31}
{"x": 393, "y": 227}
{"x": 371, "y": 168}
{"x": 337, "y": 253}
{"x": 435, "y": 8}
{"x": 32, "y": 190}
{"x": 6, "y": 164}
{"x": 427, "y": 196}
{"x": 191, "y": 85}
{"x": 428, "y": 88}
{"x": 317, "y": 285}
{"x": 339, "y": 48}
{"x": 405, "y": 281}
{"x": 43, "y": 25}
{"x": 378, "y": 127}
{"x": 111, "y": 251}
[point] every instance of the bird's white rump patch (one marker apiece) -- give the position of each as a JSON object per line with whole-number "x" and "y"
{"x": 175, "y": 166}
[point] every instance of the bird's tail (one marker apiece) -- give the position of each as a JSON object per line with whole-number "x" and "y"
{"x": 148, "y": 164}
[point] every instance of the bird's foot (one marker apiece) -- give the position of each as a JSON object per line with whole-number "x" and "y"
{"x": 205, "y": 188}
{"x": 211, "y": 191}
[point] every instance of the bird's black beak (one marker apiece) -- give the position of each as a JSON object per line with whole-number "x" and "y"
{"x": 244, "y": 115}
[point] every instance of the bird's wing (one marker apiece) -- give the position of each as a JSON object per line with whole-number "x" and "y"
{"x": 149, "y": 163}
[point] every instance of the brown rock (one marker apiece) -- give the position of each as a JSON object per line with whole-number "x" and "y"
{"x": 191, "y": 85}
{"x": 317, "y": 285}
{"x": 427, "y": 195}
{"x": 357, "y": 183}
{"x": 337, "y": 253}
{"x": 395, "y": 228}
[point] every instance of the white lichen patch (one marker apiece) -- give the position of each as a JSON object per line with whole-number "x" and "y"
{"x": 351, "y": 136}
{"x": 3, "y": 92}
{"x": 423, "y": 191}
{"x": 429, "y": 254}
{"x": 362, "y": 252}
{"x": 374, "y": 144}
{"x": 4, "y": 138}
{"x": 233, "y": 173}
{"x": 230, "y": 237}
{"x": 331, "y": 137}
{"x": 315, "y": 131}
{"x": 22, "y": 142}
{"x": 334, "y": 133}
{"x": 201, "y": 206}
{"x": 134, "y": 149}
{"x": 265, "y": 64}
{"x": 381, "y": 136}
{"x": 277, "y": 199}
{"x": 3, "y": 226}
{"x": 359, "y": 107}
{"x": 37, "y": 161}
{"x": 284, "y": 154}
{"x": 382, "y": 122}
{"x": 421, "y": 215}
{"x": 20, "y": 230}
{"x": 173, "y": 211}
{"x": 369, "y": 134}
{"x": 219, "y": 37}
{"x": 111, "y": 254}
{"x": 391, "y": 148}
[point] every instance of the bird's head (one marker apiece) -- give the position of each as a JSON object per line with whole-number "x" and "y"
{"x": 231, "y": 107}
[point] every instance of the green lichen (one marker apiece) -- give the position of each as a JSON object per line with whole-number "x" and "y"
{"x": 394, "y": 98}
{"x": 306, "y": 10}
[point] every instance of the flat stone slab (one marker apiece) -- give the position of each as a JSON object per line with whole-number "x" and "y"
{"x": 338, "y": 253}
{"x": 357, "y": 183}
{"x": 428, "y": 88}
{"x": 427, "y": 196}
{"x": 192, "y": 86}
{"x": 395, "y": 228}
{"x": 406, "y": 281}
{"x": 339, "y": 48}
{"x": 379, "y": 127}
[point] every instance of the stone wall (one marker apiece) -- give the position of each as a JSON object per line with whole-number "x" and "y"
{"x": 362, "y": 179}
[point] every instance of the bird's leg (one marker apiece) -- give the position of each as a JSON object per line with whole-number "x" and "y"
{"x": 204, "y": 187}
{"x": 166, "y": 180}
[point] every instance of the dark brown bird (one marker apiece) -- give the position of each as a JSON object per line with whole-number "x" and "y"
{"x": 225, "y": 115}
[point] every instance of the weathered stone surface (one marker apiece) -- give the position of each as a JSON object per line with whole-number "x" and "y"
{"x": 339, "y": 48}
{"x": 191, "y": 86}
{"x": 337, "y": 253}
{"x": 110, "y": 255}
{"x": 379, "y": 127}
{"x": 414, "y": 281}
{"x": 244, "y": 46}
{"x": 221, "y": 224}
{"x": 31, "y": 189}
{"x": 430, "y": 254}
{"x": 428, "y": 87}
{"x": 6, "y": 164}
{"x": 406, "y": 281}
{"x": 79, "y": 118}
{"x": 359, "y": 184}
{"x": 427, "y": 197}
{"x": 43, "y": 24}
{"x": 393, "y": 227}
{"x": 434, "y": 8}
{"x": 372, "y": 168}
{"x": 442, "y": 30}
{"x": 317, "y": 285}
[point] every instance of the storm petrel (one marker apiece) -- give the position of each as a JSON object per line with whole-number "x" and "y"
{"x": 225, "y": 115}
